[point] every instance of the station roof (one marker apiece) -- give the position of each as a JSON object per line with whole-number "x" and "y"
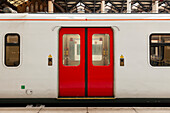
{"x": 93, "y": 6}
{"x": 115, "y": 6}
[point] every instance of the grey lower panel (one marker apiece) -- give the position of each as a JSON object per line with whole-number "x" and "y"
{"x": 51, "y": 102}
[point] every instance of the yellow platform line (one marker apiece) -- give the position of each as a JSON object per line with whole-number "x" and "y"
{"x": 83, "y": 98}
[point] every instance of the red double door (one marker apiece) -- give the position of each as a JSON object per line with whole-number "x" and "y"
{"x": 86, "y": 62}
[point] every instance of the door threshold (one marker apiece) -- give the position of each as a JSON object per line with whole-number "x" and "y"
{"x": 74, "y": 98}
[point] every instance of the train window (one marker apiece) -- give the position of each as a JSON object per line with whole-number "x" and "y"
{"x": 12, "y": 50}
{"x": 160, "y": 50}
{"x": 100, "y": 49}
{"x": 71, "y": 49}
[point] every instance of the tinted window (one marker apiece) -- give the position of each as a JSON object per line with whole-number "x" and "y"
{"x": 12, "y": 50}
{"x": 160, "y": 50}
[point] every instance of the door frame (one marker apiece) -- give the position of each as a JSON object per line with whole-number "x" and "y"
{"x": 114, "y": 34}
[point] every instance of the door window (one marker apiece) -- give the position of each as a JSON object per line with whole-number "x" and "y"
{"x": 71, "y": 49}
{"x": 101, "y": 49}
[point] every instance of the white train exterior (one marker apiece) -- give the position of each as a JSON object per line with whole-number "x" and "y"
{"x": 39, "y": 38}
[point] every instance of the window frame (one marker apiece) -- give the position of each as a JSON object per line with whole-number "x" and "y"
{"x": 9, "y": 44}
{"x": 150, "y": 36}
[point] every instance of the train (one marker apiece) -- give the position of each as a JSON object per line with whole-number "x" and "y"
{"x": 64, "y": 58}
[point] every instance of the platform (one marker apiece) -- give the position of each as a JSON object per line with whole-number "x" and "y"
{"x": 85, "y": 110}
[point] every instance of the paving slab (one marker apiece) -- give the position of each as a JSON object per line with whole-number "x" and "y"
{"x": 85, "y": 110}
{"x": 111, "y": 110}
{"x": 64, "y": 110}
{"x": 152, "y": 109}
{"x": 19, "y": 110}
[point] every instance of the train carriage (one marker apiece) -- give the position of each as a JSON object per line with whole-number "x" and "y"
{"x": 87, "y": 57}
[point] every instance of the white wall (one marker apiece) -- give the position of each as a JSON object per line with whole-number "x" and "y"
{"x": 37, "y": 42}
{"x": 138, "y": 78}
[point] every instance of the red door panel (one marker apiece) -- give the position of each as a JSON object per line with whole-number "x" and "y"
{"x": 100, "y": 77}
{"x": 71, "y": 68}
